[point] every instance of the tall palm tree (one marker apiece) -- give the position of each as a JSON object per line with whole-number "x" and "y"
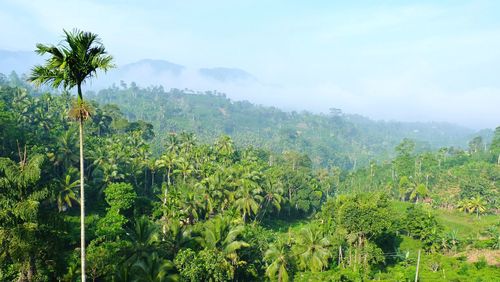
{"x": 187, "y": 141}
{"x": 66, "y": 194}
{"x": 225, "y": 148}
{"x": 143, "y": 238}
{"x": 247, "y": 193}
{"x": 65, "y": 155}
{"x": 153, "y": 268}
{"x": 279, "y": 261}
{"x": 70, "y": 64}
{"x": 191, "y": 205}
{"x": 248, "y": 200}
{"x": 184, "y": 168}
{"x": 173, "y": 144}
{"x": 312, "y": 249}
{"x": 166, "y": 161}
{"x": 273, "y": 190}
{"x": 177, "y": 235}
{"x": 219, "y": 234}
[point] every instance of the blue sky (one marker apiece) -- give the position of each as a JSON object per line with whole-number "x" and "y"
{"x": 404, "y": 60}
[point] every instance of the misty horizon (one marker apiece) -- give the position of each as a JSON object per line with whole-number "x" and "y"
{"x": 408, "y": 62}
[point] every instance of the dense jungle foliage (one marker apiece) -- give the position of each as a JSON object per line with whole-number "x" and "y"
{"x": 199, "y": 211}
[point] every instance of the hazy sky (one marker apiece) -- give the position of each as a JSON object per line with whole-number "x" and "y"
{"x": 404, "y": 60}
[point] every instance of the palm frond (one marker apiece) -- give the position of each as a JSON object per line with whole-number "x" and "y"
{"x": 73, "y": 61}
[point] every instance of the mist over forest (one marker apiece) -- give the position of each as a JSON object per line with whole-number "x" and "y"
{"x": 249, "y": 141}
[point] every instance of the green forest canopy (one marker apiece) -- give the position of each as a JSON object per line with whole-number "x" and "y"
{"x": 338, "y": 139}
{"x": 214, "y": 211}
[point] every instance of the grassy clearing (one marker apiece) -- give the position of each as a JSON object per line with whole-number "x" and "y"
{"x": 466, "y": 225}
{"x": 400, "y": 207}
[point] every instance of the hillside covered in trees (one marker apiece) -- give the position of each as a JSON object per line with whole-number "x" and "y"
{"x": 339, "y": 139}
{"x": 201, "y": 208}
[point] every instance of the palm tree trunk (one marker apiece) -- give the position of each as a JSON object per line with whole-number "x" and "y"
{"x": 168, "y": 176}
{"x": 31, "y": 268}
{"x": 152, "y": 179}
{"x": 82, "y": 205}
{"x": 82, "y": 194}
{"x": 145, "y": 180}
{"x": 263, "y": 213}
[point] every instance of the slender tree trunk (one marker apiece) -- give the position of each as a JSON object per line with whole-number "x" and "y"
{"x": 145, "y": 180}
{"x": 168, "y": 176}
{"x": 152, "y": 179}
{"x": 82, "y": 192}
{"x": 31, "y": 268}
{"x": 418, "y": 264}
{"x": 340, "y": 256}
{"x": 350, "y": 257}
{"x": 82, "y": 204}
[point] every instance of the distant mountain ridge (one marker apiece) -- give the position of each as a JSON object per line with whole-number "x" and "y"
{"x": 238, "y": 83}
{"x": 144, "y": 72}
